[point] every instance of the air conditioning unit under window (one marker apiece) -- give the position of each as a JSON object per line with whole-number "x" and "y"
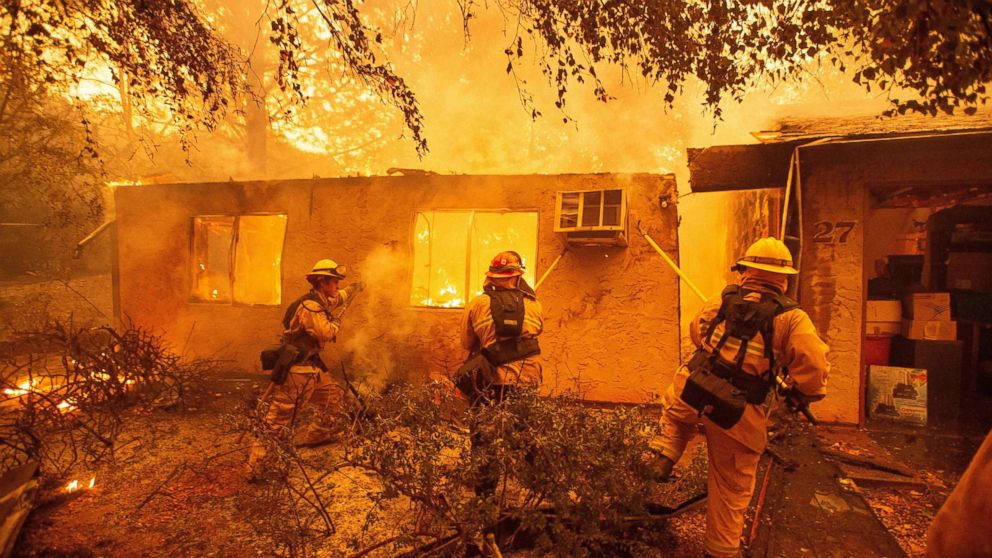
{"x": 592, "y": 217}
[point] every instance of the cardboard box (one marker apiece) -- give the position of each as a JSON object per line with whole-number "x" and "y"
{"x": 927, "y": 306}
{"x": 883, "y": 311}
{"x": 943, "y": 362}
{"x": 897, "y": 393}
{"x": 930, "y": 330}
{"x": 883, "y": 328}
{"x": 970, "y": 271}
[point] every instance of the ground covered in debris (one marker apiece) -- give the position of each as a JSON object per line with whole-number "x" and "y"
{"x": 177, "y": 488}
{"x": 845, "y": 491}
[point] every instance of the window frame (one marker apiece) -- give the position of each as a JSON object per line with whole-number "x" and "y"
{"x": 622, "y": 225}
{"x": 468, "y": 257}
{"x": 232, "y": 258}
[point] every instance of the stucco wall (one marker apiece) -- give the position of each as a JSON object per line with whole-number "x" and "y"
{"x": 611, "y": 314}
{"x": 837, "y": 180}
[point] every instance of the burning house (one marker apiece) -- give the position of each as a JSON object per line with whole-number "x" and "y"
{"x": 884, "y": 215}
{"x": 213, "y": 266}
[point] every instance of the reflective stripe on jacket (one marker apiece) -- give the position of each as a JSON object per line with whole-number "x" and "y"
{"x": 796, "y": 346}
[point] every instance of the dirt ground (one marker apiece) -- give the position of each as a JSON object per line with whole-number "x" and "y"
{"x": 177, "y": 488}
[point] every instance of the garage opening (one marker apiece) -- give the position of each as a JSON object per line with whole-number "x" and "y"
{"x": 927, "y": 341}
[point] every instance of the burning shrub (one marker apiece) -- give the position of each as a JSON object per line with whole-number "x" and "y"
{"x": 65, "y": 399}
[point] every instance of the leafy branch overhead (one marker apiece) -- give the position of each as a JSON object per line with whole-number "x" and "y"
{"x": 939, "y": 50}
{"x": 925, "y": 55}
{"x": 167, "y": 53}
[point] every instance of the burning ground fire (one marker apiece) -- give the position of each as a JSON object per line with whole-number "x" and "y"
{"x": 75, "y": 486}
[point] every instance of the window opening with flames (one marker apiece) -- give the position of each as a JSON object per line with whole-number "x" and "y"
{"x": 237, "y": 259}
{"x": 452, "y": 251}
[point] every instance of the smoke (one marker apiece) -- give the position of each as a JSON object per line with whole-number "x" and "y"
{"x": 381, "y": 325}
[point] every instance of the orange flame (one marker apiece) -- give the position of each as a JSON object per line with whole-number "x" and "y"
{"x": 75, "y": 485}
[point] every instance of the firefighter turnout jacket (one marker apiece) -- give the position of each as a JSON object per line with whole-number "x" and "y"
{"x": 311, "y": 323}
{"x": 796, "y": 346}
{"x": 479, "y": 332}
{"x": 734, "y": 452}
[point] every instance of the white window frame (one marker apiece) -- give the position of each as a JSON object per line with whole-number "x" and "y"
{"x": 621, "y": 226}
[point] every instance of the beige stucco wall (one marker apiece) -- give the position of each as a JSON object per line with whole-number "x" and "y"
{"x": 611, "y": 314}
{"x": 837, "y": 180}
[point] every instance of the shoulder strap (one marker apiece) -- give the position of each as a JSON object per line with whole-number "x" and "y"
{"x": 782, "y": 303}
{"x": 295, "y": 305}
{"x": 721, "y": 314}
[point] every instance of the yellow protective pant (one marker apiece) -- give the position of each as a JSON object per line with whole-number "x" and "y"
{"x": 304, "y": 384}
{"x": 731, "y": 475}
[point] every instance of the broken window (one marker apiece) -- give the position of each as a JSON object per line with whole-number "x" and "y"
{"x": 452, "y": 251}
{"x": 238, "y": 259}
{"x": 591, "y": 210}
{"x": 212, "y": 258}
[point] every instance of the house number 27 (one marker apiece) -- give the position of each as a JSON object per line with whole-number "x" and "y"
{"x": 830, "y": 232}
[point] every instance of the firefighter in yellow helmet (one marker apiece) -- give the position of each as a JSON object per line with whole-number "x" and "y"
{"x": 500, "y": 329}
{"x": 310, "y": 322}
{"x": 752, "y": 329}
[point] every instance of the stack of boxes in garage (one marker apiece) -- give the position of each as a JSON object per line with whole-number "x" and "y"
{"x": 914, "y": 359}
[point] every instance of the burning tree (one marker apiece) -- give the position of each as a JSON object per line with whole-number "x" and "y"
{"x": 939, "y": 53}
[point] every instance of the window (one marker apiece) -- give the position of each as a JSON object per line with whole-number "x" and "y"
{"x": 591, "y": 210}
{"x": 238, "y": 259}
{"x": 452, "y": 251}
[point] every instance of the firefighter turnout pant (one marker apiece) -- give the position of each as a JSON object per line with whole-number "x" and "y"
{"x": 304, "y": 384}
{"x": 732, "y": 470}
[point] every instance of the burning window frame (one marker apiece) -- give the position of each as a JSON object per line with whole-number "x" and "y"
{"x": 236, "y": 234}
{"x": 425, "y": 301}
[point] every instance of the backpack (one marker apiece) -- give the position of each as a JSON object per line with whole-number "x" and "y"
{"x": 721, "y": 390}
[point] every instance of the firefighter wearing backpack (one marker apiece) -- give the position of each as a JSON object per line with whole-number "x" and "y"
{"x": 500, "y": 329}
{"x": 752, "y": 329}
{"x": 310, "y": 322}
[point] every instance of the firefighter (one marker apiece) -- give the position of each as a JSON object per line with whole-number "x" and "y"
{"x": 741, "y": 337}
{"x": 310, "y": 322}
{"x": 500, "y": 329}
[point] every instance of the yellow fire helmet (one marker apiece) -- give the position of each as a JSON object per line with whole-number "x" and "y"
{"x": 328, "y": 267}
{"x": 769, "y": 254}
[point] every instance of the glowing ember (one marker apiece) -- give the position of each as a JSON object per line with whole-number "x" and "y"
{"x": 65, "y": 406}
{"x": 116, "y": 183}
{"x": 22, "y": 388}
{"x": 92, "y": 482}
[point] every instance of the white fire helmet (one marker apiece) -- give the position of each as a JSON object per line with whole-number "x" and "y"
{"x": 769, "y": 254}
{"x": 329, "y": 268}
